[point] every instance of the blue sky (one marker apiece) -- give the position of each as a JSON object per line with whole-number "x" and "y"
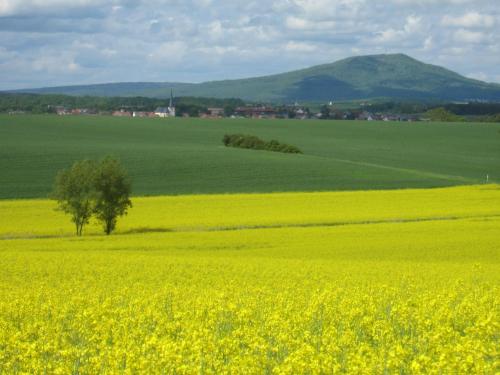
{"x": 63, "y": 42}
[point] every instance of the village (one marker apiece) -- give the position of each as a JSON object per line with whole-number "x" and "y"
{"x": 253, "y": 111}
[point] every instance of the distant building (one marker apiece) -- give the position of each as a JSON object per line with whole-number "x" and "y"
{"x": 256, "y": 112}
{"x": 82, "y": 111}
{"x": 167, "y": 111}
{"x": 61, "y": 111}
{"x": 367, "y": 116}
{"x": 162, "y": 112}
{"x": 215, "y": 112}
{"x": 300, "y": 114}
{"x": 122, "y": 113}
{"x": 143, "y": 114}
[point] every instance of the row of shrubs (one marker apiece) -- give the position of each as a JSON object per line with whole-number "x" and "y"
{"x": 255, "y": 143}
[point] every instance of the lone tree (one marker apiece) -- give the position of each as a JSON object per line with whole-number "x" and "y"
{"x": 75, "y": 192}
{"x": 94, "y": 188}
{"x": 113, "y": 187}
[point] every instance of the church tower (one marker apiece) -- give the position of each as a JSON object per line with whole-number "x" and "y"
{"x": 171, "y": 106}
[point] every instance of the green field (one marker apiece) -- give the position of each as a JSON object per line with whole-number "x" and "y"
{"x": 186, "y": 156}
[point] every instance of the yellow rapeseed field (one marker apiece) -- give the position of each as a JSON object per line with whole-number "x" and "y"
{"x": 350, "y": 282}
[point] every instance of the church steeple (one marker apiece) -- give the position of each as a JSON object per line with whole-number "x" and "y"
{"x": 171, "y": 106}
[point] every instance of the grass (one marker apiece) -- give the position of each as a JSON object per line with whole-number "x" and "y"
{"x": 186, "y": 156}
{"x": 407, "y": 284}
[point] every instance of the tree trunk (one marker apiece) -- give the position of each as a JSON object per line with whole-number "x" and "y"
{"x": 79, "y": 227}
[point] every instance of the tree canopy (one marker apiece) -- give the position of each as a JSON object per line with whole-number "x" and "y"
{"x": 113, "y": 189}
{"x": 89, "y": 188}
{"x": 75, "y": 192}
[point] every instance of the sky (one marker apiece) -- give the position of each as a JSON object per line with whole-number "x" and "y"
{"x": 66, "y": 42}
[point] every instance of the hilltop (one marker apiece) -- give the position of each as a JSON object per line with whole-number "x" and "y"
{"x": 362, "y": 77}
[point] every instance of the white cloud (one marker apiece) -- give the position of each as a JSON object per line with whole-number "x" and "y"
{"x": 170, "y": 53}
{"x": 456, "y": 51}
{"x": 467, "y": 36}
{"x": 296, "y": 23}
{"x": 215, "y": 30}
{"x": 471, "y": 19}
{"x": 412, "y": 27}
{"x": 479, "y": 75}
{"x": 413, "y": 24}
{"x": 389, "y": 36}
{"x": 434, "y": 2}
{"x": 300, "y": 47}
{"x": 81, "y": 41}
{"x": 428, "y": 43}
{"x": 55, "y": 64}
{"x": 328, "y": 10}
{"x": 14, "y": 7}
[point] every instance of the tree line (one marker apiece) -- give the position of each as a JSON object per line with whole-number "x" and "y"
{"x": 460, "y": 109}
{"x": 48, "y": 103}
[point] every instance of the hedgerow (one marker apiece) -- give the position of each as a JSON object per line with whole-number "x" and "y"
{"x": 255, "y": 143}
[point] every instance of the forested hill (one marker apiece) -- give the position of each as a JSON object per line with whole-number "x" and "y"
{"x": 363, "y": 77}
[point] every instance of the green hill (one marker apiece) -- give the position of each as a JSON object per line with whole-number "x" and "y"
{"x": 389, "y": 76}
{"x": 186, "y": 156}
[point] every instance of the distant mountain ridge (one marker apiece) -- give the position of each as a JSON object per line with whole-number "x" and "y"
{"x": 396, "y": 76}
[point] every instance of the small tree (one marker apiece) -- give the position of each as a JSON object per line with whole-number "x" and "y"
{"x": 112, "y": 187}
{"x": 75, "y": 193}
{"x": 441, "y": 114}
